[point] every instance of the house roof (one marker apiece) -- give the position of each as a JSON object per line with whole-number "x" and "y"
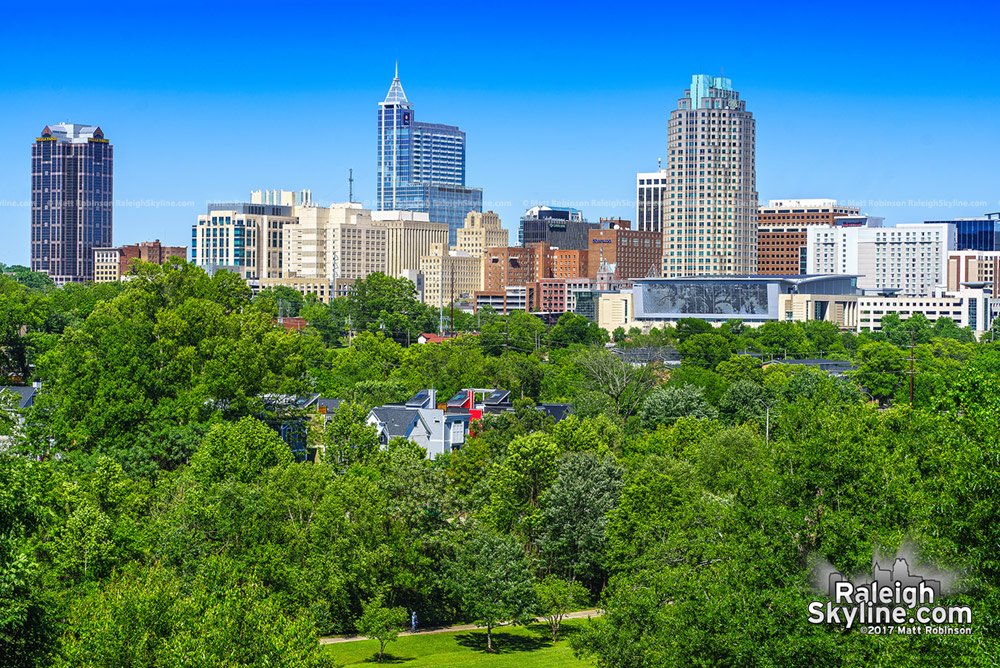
{"x": 557, "y": 411}
{"x": 398, "y": 420}
{"x": 25, "y": 394}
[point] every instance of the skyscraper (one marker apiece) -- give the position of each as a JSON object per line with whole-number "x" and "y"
{"x": 710, "y": 226}
{"x": 421, "y": 166}
{"x": 71, "y": 199}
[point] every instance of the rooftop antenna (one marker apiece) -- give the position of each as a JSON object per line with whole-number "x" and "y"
{"x": 350, "y": 185}
{"x": 659, "y": 164}
{"x": 397, "y": 70}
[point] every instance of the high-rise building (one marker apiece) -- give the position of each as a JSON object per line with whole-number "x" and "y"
{"x": 781, "y": 232}
{"x": 336, "y": 242}
{"x": 557, "y": 226}
{"x": 421, "y": 166}
{"x": 110, "y": 264}
{"x": 71, "y": 200}
{"x": 651, "y": 200}
{"x": 972, "y": 266}
{"x": 710, "y": 227}
{"x": 636, "y": 253}
{"x": 909, "y": 258}
{"x": 450, "y": 275}
{"x": 242, "y": 236}
{"x": 409, "y": 236}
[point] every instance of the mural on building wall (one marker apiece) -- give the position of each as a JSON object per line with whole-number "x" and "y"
{"x": 723, "y": 298}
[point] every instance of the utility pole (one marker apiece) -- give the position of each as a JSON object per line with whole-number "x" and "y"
{"x": 452, "y": 297}
{"x": 911, "y": 369}
{"x": 506, "y": 338}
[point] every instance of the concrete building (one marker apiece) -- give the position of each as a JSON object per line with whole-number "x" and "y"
{"x": 636, "y": 253}
{"x": 243, "y": 235}
{"x": 450, "y": 275}
{"x": 421, "y": 166}
{"x": 512, "y": 298}
{"x": 652, "y": 200}
{"x": 556, "y": 226}
{"x": 711, "y": 225}
{"x": 781, "y": 232}
{"x": 321, "y": 287}
{"x": 336, "y": 242}
{"x": 973, "y": 306}
{"x": 409, "y": 237}
{"x": 110, "y": 264}
{"x": 909, "y": 258}
{"x": 969, "y": 266}
{"x": 71, "y": 200}
{"x": 558, "y": 295}
{"x": 481, "y": 231}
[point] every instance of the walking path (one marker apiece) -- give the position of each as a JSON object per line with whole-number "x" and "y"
{"x": 580, "y": 614}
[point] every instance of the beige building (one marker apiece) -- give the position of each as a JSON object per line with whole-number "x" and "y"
{"x": 450, "y": 275}
{"x": 320, "y": 287}
{"x": 336, "y": 242}
{"x": 242, "y": 235}
{"x": 481, "y": 231}
{"x": 710, "y": 216}
{"x": 409, "y": 237}
{"x": 972, "y": 266}
{"x": 110, "y": 264}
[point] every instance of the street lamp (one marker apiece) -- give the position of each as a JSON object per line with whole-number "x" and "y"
{"x": 767, "y": 421}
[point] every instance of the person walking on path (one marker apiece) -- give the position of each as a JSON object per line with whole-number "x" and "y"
{"x": 413, "y": 622}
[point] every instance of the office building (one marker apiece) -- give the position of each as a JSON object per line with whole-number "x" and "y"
{"x": 110, "y": 264}
{"x": 561, "y": 227}
{"x": 280, "y": 197}
{"x": 975, "y": 234}
{"x": 243, "y": 237}
{"x": 908, "y": 258}
{"x": 450, "y": 275}
{"x": 636, "y": 253}
{"x": 652, "y": 200}
{"x": 558, "y": 295}
{"x": 321, "y": 287}
{"x": 513, "y": 265}
{"x": 481, "y": 231}
{"x": 710, "y": 227}
{"x": 71, "y": 200}
{"x": 409, "y": 236}
{"x": 336, "y": 242}
{"x": 421, "y": 166}
{"x": 781, "y": 232}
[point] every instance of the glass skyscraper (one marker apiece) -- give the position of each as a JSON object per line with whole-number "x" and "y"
{"x": 71, "y": 199}
{"x": 421, "y": 166}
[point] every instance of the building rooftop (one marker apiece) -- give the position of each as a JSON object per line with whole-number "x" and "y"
{"x": 72, "y": 132}
{"x": 396, "y": 95}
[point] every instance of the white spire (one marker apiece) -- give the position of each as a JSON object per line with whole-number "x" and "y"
{"x": 396, "y": 94}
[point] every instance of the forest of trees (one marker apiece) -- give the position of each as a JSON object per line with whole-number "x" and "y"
{"x": 149, "y": 516}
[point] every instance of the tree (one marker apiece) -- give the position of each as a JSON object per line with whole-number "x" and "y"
{"x": 491, "y": 578}
{"x": 240, "y": 451}
{"x": 746, "y": 401}
{"x": 381, "y": 623}
{"x": 572, "y": 328}
{"x": 516, "y": 484}
{"x": 557, "y": 597}
{"x": 666, "y": 404}
{"x": 625, "y": 383}
{"x": 705, "y": 350}
{"x": 741, "y": 367}
{"x": 349, "y": 438}
{"x": 572, "y": 538}
{"x": 881, "y": 370}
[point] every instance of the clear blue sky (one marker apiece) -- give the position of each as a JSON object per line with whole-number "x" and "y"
{"x": 560, "y": 103}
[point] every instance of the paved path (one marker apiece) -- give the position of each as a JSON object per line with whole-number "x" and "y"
{"x": 448, "y": 629}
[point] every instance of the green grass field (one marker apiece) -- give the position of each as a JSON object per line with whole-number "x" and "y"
{"x": 523, "y": 647}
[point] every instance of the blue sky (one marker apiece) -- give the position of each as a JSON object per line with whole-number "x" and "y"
{"x": 560, "y": 103}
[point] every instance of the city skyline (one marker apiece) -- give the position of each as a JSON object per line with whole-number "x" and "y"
{"x": 827, "y": 126}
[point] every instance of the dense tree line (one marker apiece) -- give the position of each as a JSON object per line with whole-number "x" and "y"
{"x": 151, "y": 516}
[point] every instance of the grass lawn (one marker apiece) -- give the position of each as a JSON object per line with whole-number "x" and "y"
{"x": 520, "y": 647}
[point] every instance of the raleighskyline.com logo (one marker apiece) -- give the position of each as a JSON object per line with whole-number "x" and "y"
{"x": 889, "y": 601}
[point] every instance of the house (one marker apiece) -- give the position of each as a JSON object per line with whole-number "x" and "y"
{"x": 833, "y": 367}
{"x": 25, "y": 394}
{"x": 419, "y": 420}
{"x": 557, "y": 412}
{"x": 426, "y": 337}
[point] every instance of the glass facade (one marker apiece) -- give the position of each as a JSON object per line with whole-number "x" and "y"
{"x": 979, "y": 234}
{"x": 71, "y": 200}
{"x": 421, "y": 166}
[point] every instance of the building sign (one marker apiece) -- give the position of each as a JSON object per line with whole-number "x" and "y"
{"x": 601, "y": 241}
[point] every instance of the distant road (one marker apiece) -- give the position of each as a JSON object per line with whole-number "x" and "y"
{"x": 447, "y": 629}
